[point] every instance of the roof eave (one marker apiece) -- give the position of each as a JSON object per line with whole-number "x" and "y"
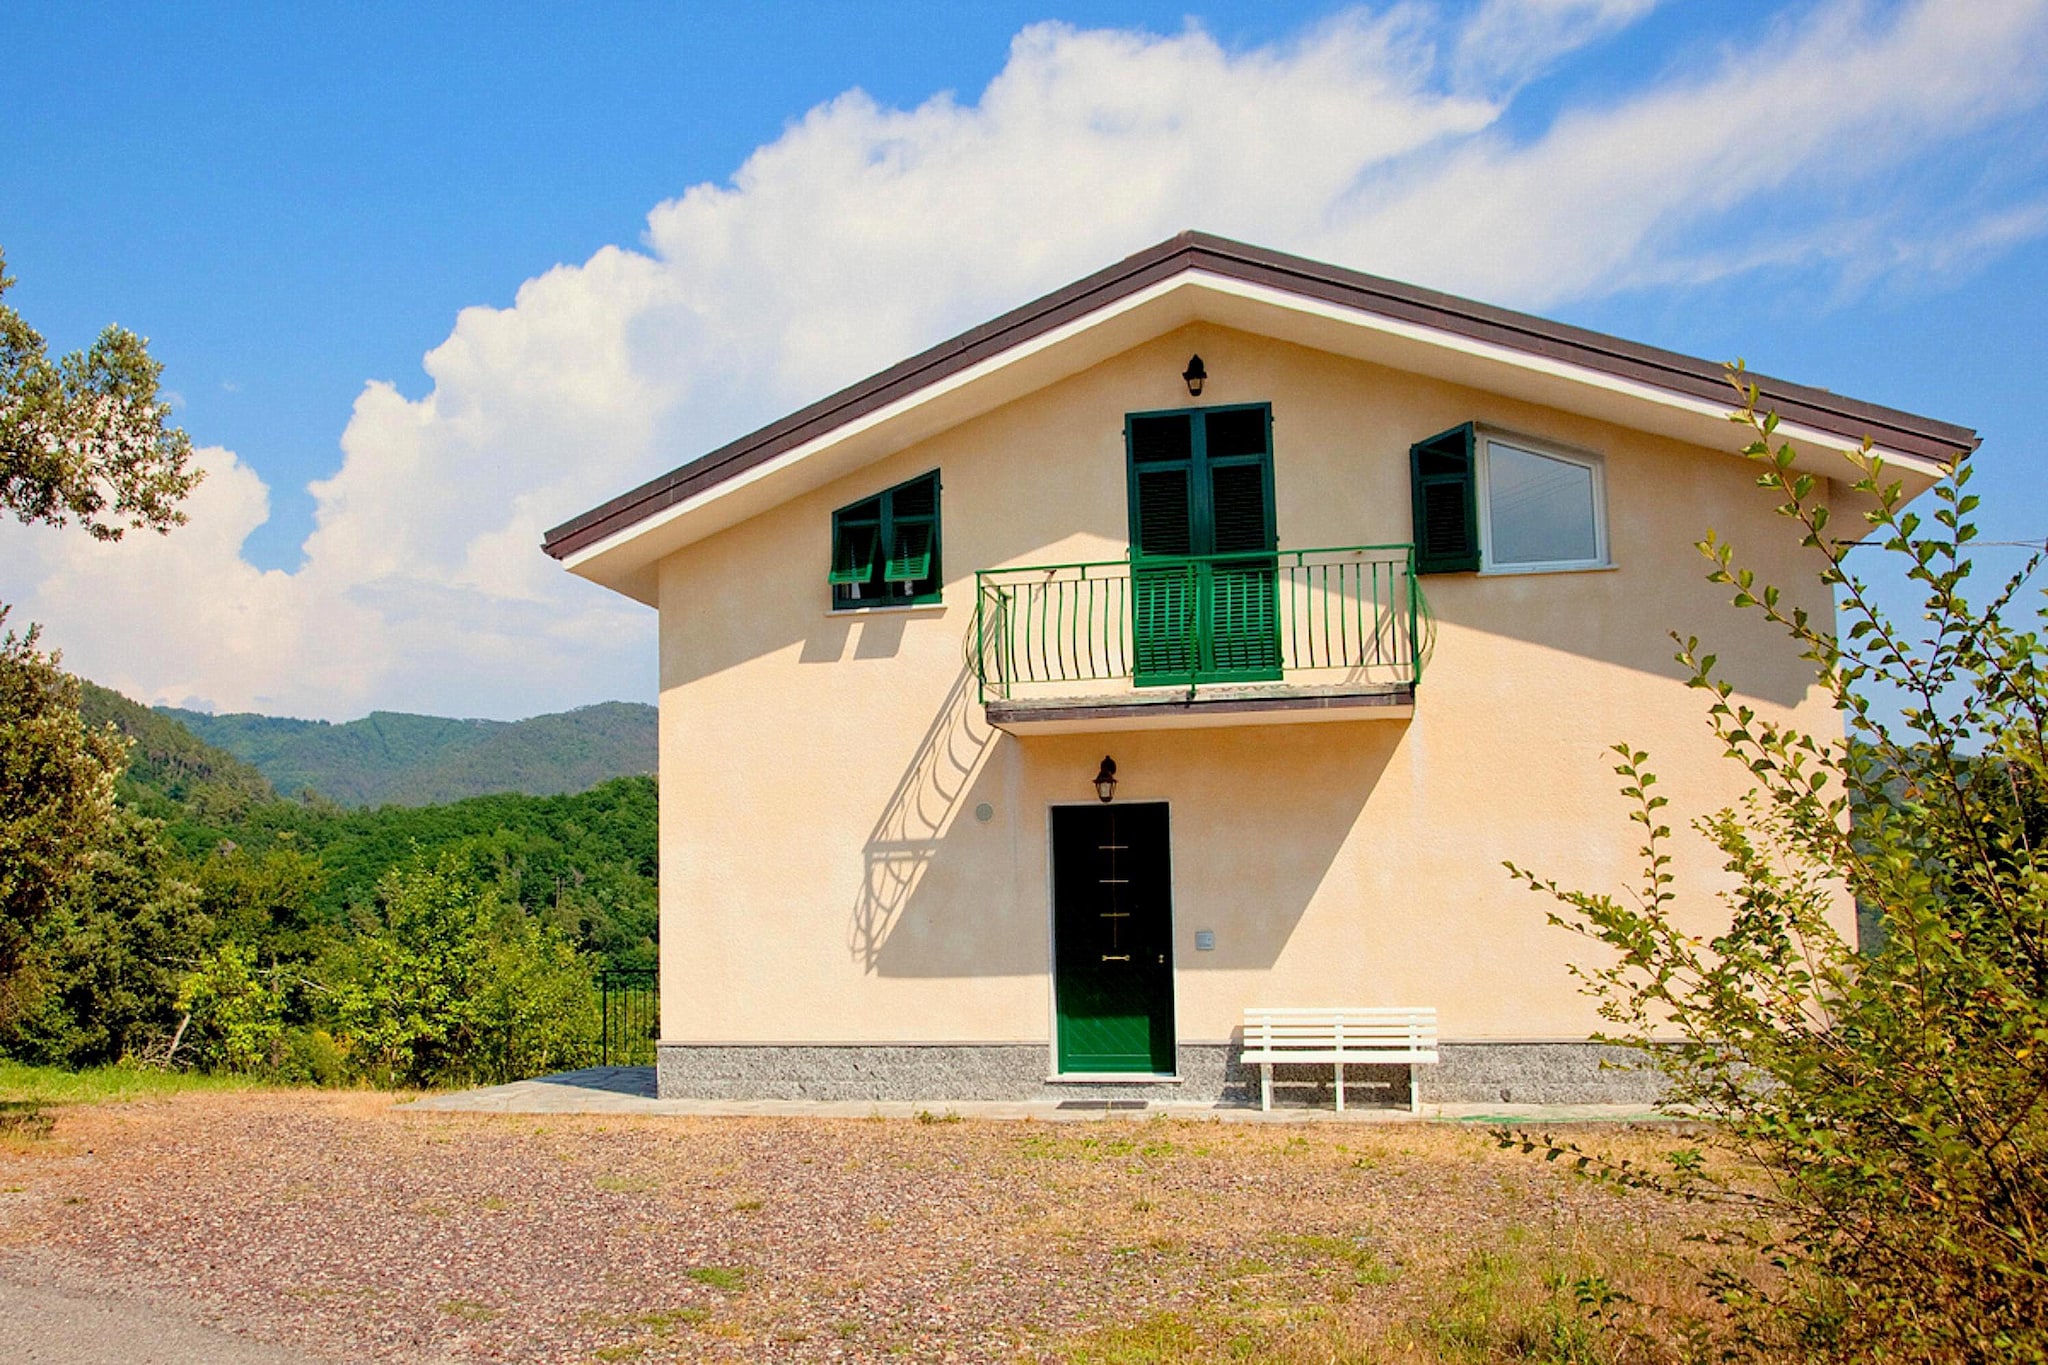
{"x": 1909, "y": 438}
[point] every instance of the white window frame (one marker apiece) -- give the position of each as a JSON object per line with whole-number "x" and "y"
{"x": 1483, "y": 491}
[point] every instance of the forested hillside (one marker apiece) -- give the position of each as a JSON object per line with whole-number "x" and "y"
{"x": 223, "y": 925}
{"x": 169, "y": 768}
{"x": 585, "y": 862}
{"x": 393, "y": 757}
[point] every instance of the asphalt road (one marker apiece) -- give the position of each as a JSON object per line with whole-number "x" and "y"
{"x": 43, "y": 1326}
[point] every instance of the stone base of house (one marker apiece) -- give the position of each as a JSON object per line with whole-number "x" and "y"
{"x": 1209, "y": 1073}
{"x": 1538, "y": 1073}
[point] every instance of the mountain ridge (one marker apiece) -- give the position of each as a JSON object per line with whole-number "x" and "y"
{"x": 167, "y": 763}
{"x": 403, "y": 758}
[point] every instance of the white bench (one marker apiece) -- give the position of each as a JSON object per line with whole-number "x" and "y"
{"x": 1341, "y": 1037}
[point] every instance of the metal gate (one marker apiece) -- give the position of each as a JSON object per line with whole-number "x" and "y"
{"x": 632, "y": 1016}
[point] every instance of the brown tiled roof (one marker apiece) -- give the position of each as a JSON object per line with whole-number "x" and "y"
{"x": 1816, "y": 408}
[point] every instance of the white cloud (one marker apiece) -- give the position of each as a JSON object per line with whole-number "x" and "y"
{"x": 1512, "y": 40}
{"x": 1758, "y": 148}
{"x": 866, "y": 232}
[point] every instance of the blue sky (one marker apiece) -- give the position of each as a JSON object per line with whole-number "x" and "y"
{"x": 297, "y": 206}
{"x": 290, "y": 202}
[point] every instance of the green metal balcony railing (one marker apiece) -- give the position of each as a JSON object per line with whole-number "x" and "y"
{"x": 1352, "y": 616}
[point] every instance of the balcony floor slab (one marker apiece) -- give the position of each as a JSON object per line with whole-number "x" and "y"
{"x": 1174, "y": 709}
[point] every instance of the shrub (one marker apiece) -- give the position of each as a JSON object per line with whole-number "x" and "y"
{"x": 1889, "y": 1105}
{"x": 236, "y": 1018}
{"x": 310, "y": 1056}
{"x": 455, "y": 984}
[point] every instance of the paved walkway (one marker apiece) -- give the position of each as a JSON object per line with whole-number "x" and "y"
{"x": 630, "y": 1090}
{"x": 44, "y": 1325}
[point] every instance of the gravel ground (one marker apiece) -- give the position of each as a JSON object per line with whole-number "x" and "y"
{"x": 335, "y": 1224}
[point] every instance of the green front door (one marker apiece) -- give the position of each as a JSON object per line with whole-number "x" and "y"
{"x": 1112, "y": 909}
{"x": 1204, "y": 578}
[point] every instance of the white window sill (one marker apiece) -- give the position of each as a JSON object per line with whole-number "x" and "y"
{"x": 1523, "y": 571}
{"x": 1113, "y": 1078}
{"x": 900, "y": 609}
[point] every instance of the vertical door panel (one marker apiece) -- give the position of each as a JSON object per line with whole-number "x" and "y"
{"x": 1112, "y": 938}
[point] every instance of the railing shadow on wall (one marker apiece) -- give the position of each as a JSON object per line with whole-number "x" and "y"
{"x": 927, "y": 799}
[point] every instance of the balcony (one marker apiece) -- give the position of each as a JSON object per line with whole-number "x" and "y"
{"x": 1238, "y": 639}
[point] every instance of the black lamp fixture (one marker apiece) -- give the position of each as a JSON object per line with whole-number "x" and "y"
{"x": 1105, "y": 779}
{"x": 1195, "y": 375}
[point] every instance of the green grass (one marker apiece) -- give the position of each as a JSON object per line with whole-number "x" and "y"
{"x": 105, "y": 1084}
{"x": 469, "y": 1310}
{"x": 1363, "y": 1263}
{"x": 725, "y": 1277}
{"x": 1510, "y": 1304}
{"x": 1207, "y": 1337}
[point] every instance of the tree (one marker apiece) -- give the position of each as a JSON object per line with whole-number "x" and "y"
{"x": 1886, "y": 1107}
{"x": 88, "y": 437}
{"x": 101, "y": 979}
{"x": 85, "y": 438}
{"x": 56, "y": 794}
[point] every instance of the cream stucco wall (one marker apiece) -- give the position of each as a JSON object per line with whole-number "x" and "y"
{"x": 824, "y": 877}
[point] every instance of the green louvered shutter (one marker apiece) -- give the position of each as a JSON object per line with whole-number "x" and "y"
{"x": 1162, "y": 526}
{"x": 913, "y": 530}
{"x": 1443, "y": 477}
{"x": 856, "y": 540}
{"x": 1242, "y": 594}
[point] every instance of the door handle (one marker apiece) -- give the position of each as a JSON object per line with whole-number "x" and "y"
{"x": 1116, "y": 957}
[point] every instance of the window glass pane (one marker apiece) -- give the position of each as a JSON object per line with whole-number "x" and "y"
{"x": 918, "y": 498}
{"x": 1237, "y": 431}
{"x": 853, "y": 558}
{"x": 1542, "y": 508}
{"x": 1161, "y": 438}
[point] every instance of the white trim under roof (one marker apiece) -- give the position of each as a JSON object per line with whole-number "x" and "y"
{"x": 626, "y": 559}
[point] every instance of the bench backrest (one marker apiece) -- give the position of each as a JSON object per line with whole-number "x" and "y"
{"x": 1386, "y": 1032}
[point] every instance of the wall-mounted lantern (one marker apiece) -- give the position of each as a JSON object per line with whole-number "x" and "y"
{"x": 1195, "y": 375}
{"x": 1105, "y": 779}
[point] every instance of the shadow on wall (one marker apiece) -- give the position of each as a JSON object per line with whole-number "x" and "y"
{"x": 928, "y": 797}
{"x": 1258, "y": 817}
{"x": 880, "y": 637}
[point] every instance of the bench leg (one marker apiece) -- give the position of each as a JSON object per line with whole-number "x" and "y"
{"x": 1340, "y": 1087}
{"x": 1414, "y": 1089}
{"x": 1265, "y": 1086}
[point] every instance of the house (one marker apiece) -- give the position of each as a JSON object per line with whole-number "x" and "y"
{"x": 1346, "y": 584}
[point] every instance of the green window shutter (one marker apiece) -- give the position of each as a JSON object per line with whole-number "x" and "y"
{"x": 911, "y": 519}
{"x": 854, "y": 543}
{"x": 1164, "y": 522}
{"x": 1201, "y": 486}
{"x": 1162, "y": 624}
{"x": 1443, "y": 477}
{"x": 1243, "y": 600}
{"x": 1241, "y": 520}
{"x": 910, "y": 552}
{"x": 1244, "y": 616}
{"x": 886, "y": 549}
